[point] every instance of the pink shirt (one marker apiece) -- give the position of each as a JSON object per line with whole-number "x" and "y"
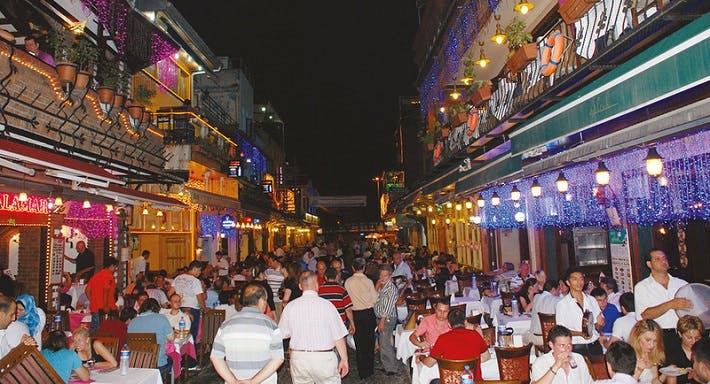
{"x": 431, "y": 329}
{"x": 312, "y": 323}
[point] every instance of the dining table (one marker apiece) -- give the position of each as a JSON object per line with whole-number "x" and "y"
{"x": 114, "y": 376}
{"x": 178, "y": 348}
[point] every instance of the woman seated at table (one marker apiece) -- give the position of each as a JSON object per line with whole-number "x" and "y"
{"x": 690, "y": 329}
{"x": 63, "y": 360}
{"x": 459, "y": 344}
{"x": 91, "y": 351}
{"x": 526, "y": 295}
{"x": 647, "y": 339}
{"x": 32, "y": 316}
{"x": 174, "y": 313}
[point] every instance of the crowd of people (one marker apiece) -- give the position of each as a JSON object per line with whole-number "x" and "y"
{"x": 304, "y": 303}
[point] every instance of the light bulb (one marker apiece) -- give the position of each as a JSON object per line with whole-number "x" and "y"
{"x": 602, "y": 175}
{"x": 23, "y": 197}
{"x": 109, "y": 207}
{"x": 459, "y": 207}
{"x": 476, "y": 219}
{"x": 433, "y": 221}
{"x": 535, "y": 189}
{"x": 447, "y": 221}
{"x": 86, "y": 204}
{"x": 469, "y": 205}
{"x": 519, "y": 217}
{"x": 561, "y": 183}
{"x": 449, "y": 205}
{"x": 145, "y": 211}
{"x": 430, "y": 209}
{"x": 524, "y": 9}
{"x": 515, "y": 194}
{"x": 495, "y": 199}
{"x": 58, "y": 201}
{"x": 159, "y": 214}
{"x": 481, "y": 203}
{"x": 654, "y": 163}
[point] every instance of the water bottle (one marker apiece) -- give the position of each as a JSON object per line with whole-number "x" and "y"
{"x": 467, "y": 376}
{"x": 473, "y": 281}
{"x": 125, "y": 356}
{"x": 57, "y": 322}
{"x": 181, "y": 324}
{"x": 501, "y": 336}
{"x": 514, "y": 307}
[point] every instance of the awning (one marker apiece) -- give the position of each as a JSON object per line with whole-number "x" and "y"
{"x": 56, "y": 165}
{"x": 503, "y": 167}
{"x": 133, "y": 197}
{"x": 213, "y": 199}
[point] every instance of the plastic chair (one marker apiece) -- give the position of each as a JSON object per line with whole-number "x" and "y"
{"x": 514, "y": 363}
{"x": 143, "y": 354}
{"x": 547, "y": 321}
{"x": 25, "y": 364}
{"x": 211, "y": 321}
{"x": 597, "y": 366}
{"x": 450, "y": 371}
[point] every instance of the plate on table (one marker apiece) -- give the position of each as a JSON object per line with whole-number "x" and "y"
{"x": 673, "y": 371}
{"x": 699, "y": 295}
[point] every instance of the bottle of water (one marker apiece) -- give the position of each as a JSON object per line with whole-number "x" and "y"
{"x": 181, "y": 324}
{"x": 125, "y": 357}
{"x": 467, "y": 376}
{"x": 514, "y": 307}
{"x": 473, "y": 282}
{"x": 57, "y": 323}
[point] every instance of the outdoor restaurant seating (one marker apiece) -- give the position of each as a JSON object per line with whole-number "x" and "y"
{"x": 450, "y": 371}
{"x": 25, "y": 364}
{"x": 211, "y": 321}
{"x": 143, "y": 354}
{"x": 514, "y": 362}
{"x": 547, "y": 321}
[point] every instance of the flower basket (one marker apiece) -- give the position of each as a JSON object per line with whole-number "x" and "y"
{"x": 136, "y": 111}
{"x": 480, "y": 95}
{"x": 522, "y": 57}
{"x": 82, "y": 80}
{"x": 105, "y": 94}
{"x": 459, "y": 119}
{"x": 573, "y": 10}
{"x": 66, "y": 72}
{"x": 118, "y": 100}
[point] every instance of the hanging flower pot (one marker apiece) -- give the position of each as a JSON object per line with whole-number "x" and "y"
{"x": 147, "y": 114}
{"x": 66, "y": 72}
{"x": 573, "y": 10}
{"x": 522, "y": 57}
{"x": 136, "y": 111}
{"x": 82, "y": 79}
{"x": 106, "y": 94}
{"x": 459, "y": 119}
{"x": 445, "y": 132}
{"x": 118, "y": 100}
{"x": 480, "y": 95}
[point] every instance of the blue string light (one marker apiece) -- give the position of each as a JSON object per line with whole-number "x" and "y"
{"x": 682, "y": 193}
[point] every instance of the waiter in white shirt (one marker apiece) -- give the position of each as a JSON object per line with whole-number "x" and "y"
{"x": 655, "y": 298}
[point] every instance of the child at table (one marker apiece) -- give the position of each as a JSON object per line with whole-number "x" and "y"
{"x": 62, "y": 359}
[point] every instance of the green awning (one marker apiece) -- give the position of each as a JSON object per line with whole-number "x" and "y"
{"x": 450, "y": 176}
{"x": 681, "y": 60}
{"x": 499, "y": 168}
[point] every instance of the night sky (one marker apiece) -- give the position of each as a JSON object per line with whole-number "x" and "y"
{"x": 333, "y": 70}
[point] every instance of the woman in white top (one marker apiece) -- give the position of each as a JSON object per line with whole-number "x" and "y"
{"x": 174, "y": 313}
{"x": 647, "y": 339}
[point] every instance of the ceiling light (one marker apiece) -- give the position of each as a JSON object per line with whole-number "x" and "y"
{"x": 58, "y": 201}
{"x": 602, "y": 175}
{"x": 481, "y": 202}
{"x": 447, "y": 221}
{"x": 433, "y": 221}
{"x": 495, "y": 199}
{"x": 109, "y": 207}
{"x": 449, "y": 205}
{"x": 455, "y": 94}
{"x": 86, "y": 204}
{"x": 159, "y": 214}
{"x": 515, "y": 193}
{"x": 500, "y": 37}
{"x": 430, "y": 209}
{"x": 535, "y": 188}
{"x": 519, "y": 217}
{"x": 654, "y": 163}
{"x": 476, "y": 219}
{"x": 482, "y": 59}
{"x": 524, "y": 7}
{"x": 562, "y": 183}
{"x": 145, "y": 211}
{"x": 442, "y": 109}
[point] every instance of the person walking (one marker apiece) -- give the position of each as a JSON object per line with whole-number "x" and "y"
{"x": 248, "y": 347}
{"x": 101, "y": 292}
{"x": 315, "y": 328}
{"x": 386, "y": 312}
{"x": 363, "y": 295}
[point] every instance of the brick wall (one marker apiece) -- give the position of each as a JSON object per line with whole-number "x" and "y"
{"x": 31, "y": 253}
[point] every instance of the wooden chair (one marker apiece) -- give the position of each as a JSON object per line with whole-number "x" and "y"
{"x": 415, "y": 303}
{"x": 450, "y": 371}
{"x": 547, "y": 321}
{"x": 475, "y": 320}
{"x": 211, "y": 321}
{"x": 597, "y": 366}
{"x": 140, "y": 337}
{"x": 489, "y": 335}
{"x": 25, "y": 364}
{"x": 110, "y": 342}
{"x": 143, "y": 354}
{"x": 514, "y": 363}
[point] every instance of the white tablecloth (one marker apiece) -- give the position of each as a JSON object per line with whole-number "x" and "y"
{"x": 75, "y": 291}
{"x": 136, "y": 375}
{"x": 520, "y": 324}
{"x": 422, "y": 374}
{"x": 405, "y": 348}
{"x": 491, "y": 304}
{"x": 472, "y": 304}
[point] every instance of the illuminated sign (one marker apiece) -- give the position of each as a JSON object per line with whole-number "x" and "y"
{"x": 11, "y": 202}
{"x": 267, "y": 186}
{"x": 227, "y": 222}
{"x": 235, "y": 168}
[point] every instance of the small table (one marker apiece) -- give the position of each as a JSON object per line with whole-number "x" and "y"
{"x": 185, "y": 347}
{"x": 136, "y": 375}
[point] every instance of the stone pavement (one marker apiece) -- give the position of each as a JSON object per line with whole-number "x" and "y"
{"x": 208, "y": 374}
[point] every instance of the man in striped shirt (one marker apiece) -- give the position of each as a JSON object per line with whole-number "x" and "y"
{"x": 249, "y": 346}
{"x": 336, "y": 294}
{"x": 386, "y": 312}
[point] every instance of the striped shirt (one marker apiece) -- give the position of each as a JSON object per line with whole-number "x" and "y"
{"x": 336, "y": 294}
{"x": 275, "y": 279}
{"x": 386, "y": 301}
{"x": 248, "y": 341}
{"x": 312, "y": 323}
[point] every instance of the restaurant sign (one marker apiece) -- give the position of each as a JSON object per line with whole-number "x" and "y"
{"x": 34, "y": 204}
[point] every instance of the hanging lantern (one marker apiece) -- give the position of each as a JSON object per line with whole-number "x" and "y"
{"x": 562, "y": 183}
{"x": 515, "y": 193}
{"x": 602, "y": 175}
{"x": 654, "y": 163}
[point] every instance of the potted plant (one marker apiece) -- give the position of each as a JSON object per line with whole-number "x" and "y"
{"x": 122, "y": 88}
{"x": 427, "y": 138}
{"x": 108, "y": 75}
{"x": 469, "y": 64}
{"x": 480, "y": 92}
{"x": 84, "y": 54}
{"x": 66, "y": 70}
{"x": 521, "y": 49}
{"x": 573, "y": 10}
{"x": 458, "y": 114}
{"x": 142, "y": 94}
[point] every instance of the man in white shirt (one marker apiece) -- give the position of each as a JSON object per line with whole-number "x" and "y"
{"x": 570, "y": 312}
{"x": 544, "y": 302}
{"x": 560, "y": 365}
{"x": 221, "y": 265}
{"x": 12, "y": 332}
{"x": 624, "y": 324}
{"x": 621, "y": 363}
{"x": 138, "y": 264}
{"x": 655, "y": 299}
{"x": 189, "y": 287}
{"x": 611, "y": 288}
{"x": 401, "y": 268}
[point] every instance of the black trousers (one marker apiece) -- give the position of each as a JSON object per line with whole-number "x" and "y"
{"x": 365, "y": 323}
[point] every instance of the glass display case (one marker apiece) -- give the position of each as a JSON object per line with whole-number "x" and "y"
{"x": 591, "y": 246}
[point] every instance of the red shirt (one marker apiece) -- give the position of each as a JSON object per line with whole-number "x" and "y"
{"x": 460, "y": 344}
{"x": 116, "y": 328}
{"x": 336, "y": 294}
{"x": 101, "y": 291}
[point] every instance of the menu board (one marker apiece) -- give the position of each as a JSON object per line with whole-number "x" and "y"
{"x": 621, "y": 259}
{"x": 56, "y": 260}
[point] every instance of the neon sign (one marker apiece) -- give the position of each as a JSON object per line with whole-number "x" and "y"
{"x": 11, "y": 202}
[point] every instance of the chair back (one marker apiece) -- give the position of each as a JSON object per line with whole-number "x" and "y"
{"x": 489, "y": 335}
{"x": 110, "y": 342}
{"x": 141, "y": 337}
{"x": 547, "y": 321}
{"x": 25, "y": 364}
{"x": 597, "y": 367}
{"x": 211, "y": 321}
{"x": 475, "y": 320}
{"x": 143, "y": 354}
{"x": 411, "y": 321}
{"x": 415, "y": 303}
{"x": 450, "y": 371}
{"x": 462, "y": 307}
{"x": 464, "y": 280}
{"x": 514, "y": 363}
